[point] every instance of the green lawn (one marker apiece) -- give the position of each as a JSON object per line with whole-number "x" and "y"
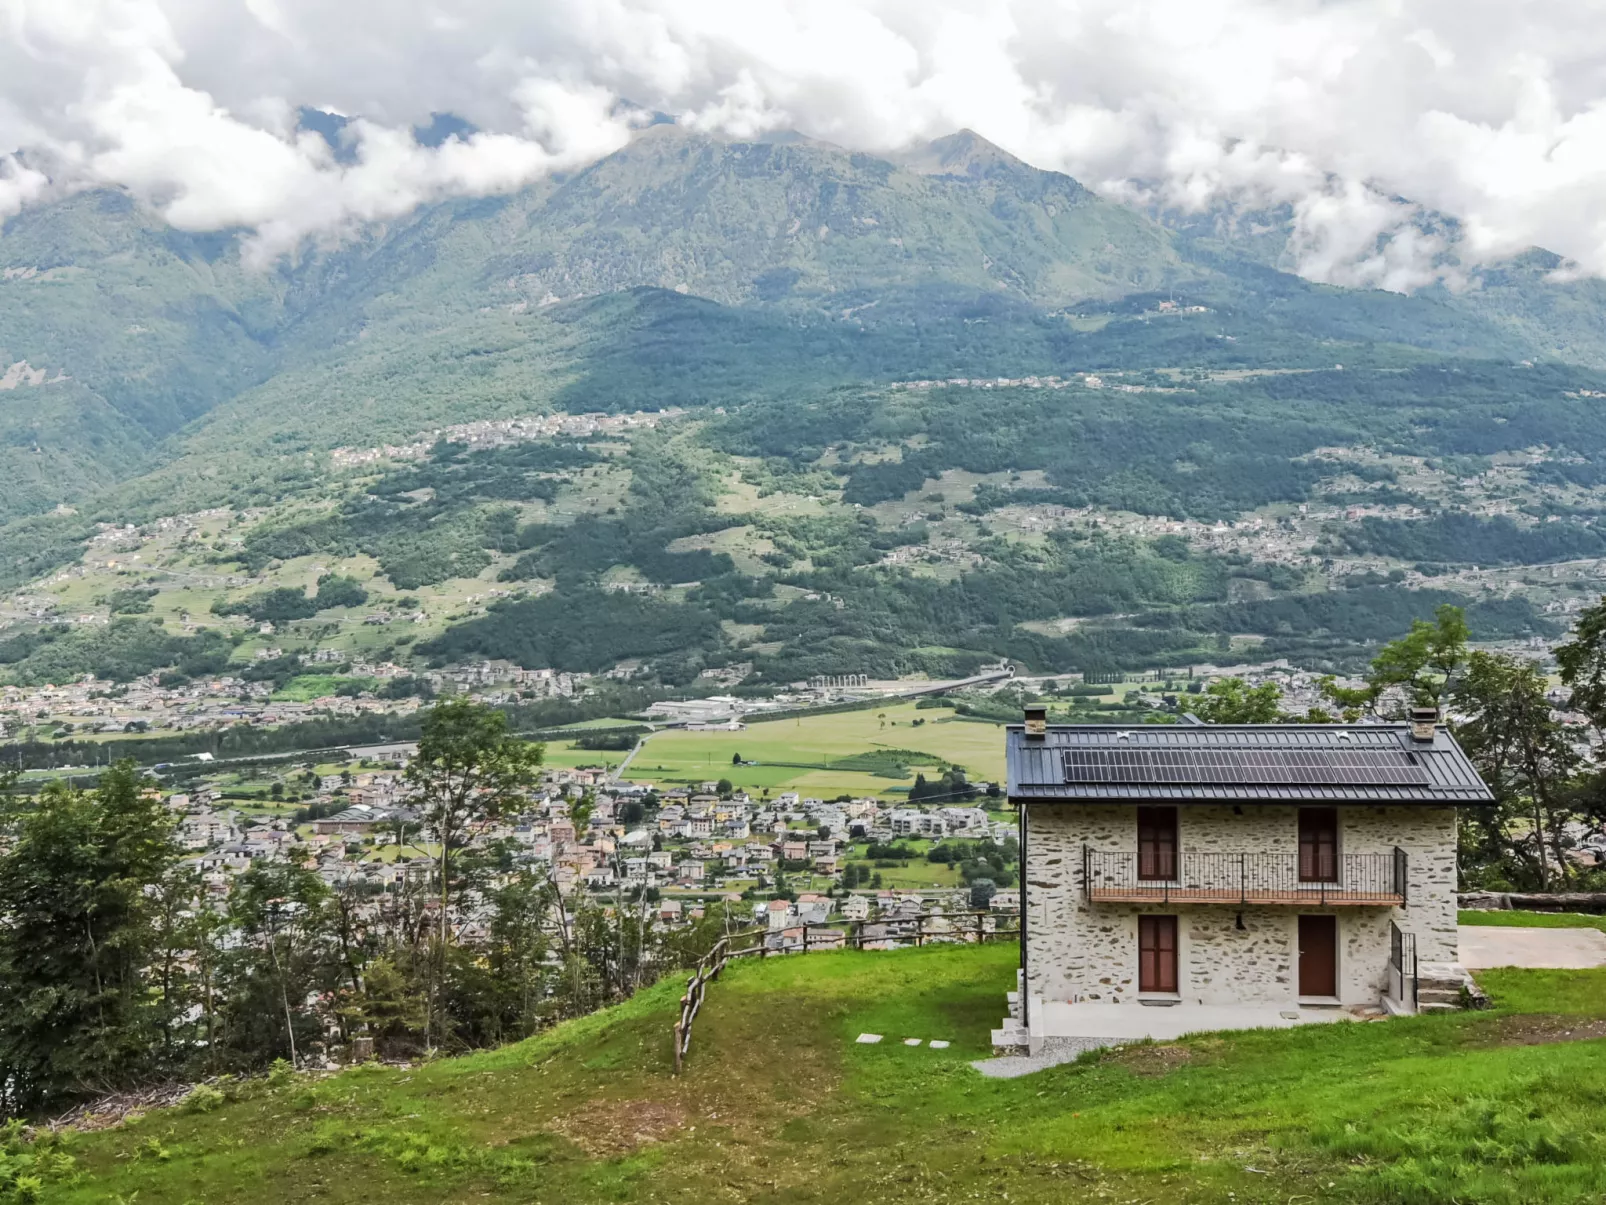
{"x": 799, "y": 754}
{"x": 779, "y": 1104}
{"x": 1516, "y": 918}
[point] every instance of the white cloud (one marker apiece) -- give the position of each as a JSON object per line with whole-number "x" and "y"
{"x": 1489, "y": 110}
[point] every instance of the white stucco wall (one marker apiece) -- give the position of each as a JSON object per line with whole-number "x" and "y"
{"x": 1082, "y": 951}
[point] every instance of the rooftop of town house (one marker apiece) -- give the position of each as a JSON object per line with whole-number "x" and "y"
{"x": 1370, "y": 763}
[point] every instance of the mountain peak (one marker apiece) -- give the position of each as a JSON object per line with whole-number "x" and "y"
{"x": 964, "y": 153}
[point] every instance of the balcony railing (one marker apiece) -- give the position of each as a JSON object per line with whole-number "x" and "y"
{"x": 1262, "y": 878}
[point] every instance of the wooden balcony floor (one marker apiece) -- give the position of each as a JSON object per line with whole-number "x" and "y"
{"x": 1297, "y": 897}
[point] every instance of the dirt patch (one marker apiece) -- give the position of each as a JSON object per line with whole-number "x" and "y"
{"x": 110, "y": 1111}
{"x": 1534, "y": 1030}
{"x": 608, "y": 1128}
{"x": 1152, "y": 1061}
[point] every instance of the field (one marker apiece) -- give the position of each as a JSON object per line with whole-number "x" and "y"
{"x": 1535, "y": 920}
{"x": 779, "y": 1104}
{"x": 799, "y": 754}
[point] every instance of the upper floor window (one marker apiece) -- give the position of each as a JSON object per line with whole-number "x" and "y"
{"x": 1157, "y": 843}
{"x": 1318, "y": 845}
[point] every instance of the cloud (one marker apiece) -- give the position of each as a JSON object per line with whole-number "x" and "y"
{"x": 1491, "y": 111}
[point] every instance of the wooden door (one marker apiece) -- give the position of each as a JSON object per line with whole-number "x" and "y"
{"x": 1157, "y": 844}
{"x": 1157, "y": 953}
{"x": 1318, "y": 956}
{"x": 1318, "y": 845}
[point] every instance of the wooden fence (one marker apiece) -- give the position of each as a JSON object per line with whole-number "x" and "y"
{"x": 889, "y": 933}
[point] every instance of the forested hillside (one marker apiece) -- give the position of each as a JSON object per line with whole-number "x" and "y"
{"x": 905, "y": 414}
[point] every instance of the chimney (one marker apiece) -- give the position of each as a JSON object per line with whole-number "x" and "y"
{"x": 1036, "y": 723}
{"x": 1424, "y": 722}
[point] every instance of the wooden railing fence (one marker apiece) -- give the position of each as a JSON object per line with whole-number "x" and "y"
{"x": 895, "y": 931}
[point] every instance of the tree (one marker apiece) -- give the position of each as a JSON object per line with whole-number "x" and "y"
{"x": 1582, "y": 661}
{"x": 736, "y": 759}
{"x": 982, "y": 892}
{"x": 467, "y": 772}
{"x": 77, "y": 1013}
{"x": 1417, "y": 670}
{"x": 1528, "y": 761}
{"x": 1234, "y": 701}
{"x": 280, "y": 911}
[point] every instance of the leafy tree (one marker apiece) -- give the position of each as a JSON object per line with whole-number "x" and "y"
{"x": 77, "y": 1011}
{"x": 1528, "y": 761}
{"x": 1582, "y": 661}
{"x": 1417, "y": 670}
{"x": 337, "y": 591}
{"x": 982, "y": 892}
{"x": 1234, "y": 701}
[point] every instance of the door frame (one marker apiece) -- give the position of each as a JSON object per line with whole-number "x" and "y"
{"x": 1161, "y": 921}
{"x": 1299, "y": 958}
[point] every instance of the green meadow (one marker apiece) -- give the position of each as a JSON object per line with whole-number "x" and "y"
{"x": 826, "y": 755}
{"x": 779, "y": 1104}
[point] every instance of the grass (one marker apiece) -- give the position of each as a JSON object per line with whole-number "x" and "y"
{"x": 1516, "y": 918}
{"x": 779, "y": 1104}
{"x": 803, "y": 754}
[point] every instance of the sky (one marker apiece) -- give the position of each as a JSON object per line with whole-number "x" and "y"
{"x": 1356, "y": 113}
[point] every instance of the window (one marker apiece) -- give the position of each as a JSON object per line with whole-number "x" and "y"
{"x": 1157, "y": 843}
{"x": 1157, "y": 953}
{"x": 1318, "y": 845}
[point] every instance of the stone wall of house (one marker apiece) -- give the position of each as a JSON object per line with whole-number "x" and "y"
{"x": 1082, "y": 951}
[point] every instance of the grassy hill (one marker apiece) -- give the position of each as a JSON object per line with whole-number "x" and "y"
{"x": 778, "y": 1104}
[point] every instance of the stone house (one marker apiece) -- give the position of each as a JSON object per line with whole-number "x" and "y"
{"x": 1277, "y": 867}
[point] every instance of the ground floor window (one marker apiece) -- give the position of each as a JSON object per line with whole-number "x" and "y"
{"x": 1157, "y": 953}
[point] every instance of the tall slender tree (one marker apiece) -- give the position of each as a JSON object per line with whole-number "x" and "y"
{"x": 468, "y": 770}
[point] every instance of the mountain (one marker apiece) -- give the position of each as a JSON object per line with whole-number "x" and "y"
{"x": 115, "y": 331}
{"x": 940, "y": 407}
{"x": 154, "y": 347}
{"x": 1532, "y": 297}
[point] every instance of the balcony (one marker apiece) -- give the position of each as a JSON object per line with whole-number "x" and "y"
{"x": 1367, "y": 880}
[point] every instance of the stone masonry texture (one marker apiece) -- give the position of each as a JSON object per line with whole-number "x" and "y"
{"x": 1078, "y": 950}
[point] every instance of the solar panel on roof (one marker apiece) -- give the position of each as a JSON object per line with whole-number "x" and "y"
{"x": 1280, "y": 766}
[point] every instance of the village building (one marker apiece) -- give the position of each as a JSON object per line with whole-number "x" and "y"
{"x": 1276, "y": 870}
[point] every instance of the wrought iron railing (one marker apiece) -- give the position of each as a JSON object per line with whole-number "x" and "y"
{"x": 1402, "y": 966}
{"x": 1245, "y": 878}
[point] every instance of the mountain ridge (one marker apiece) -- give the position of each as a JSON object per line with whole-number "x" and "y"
{"x": 964, "y": 258}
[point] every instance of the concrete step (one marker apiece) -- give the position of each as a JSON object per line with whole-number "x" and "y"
{"x": 1426, "y": 1008}
{"x": 1012, "y": 1038}
{"x": 1014, "y": 1005}
{"x": 1438, "y": 995}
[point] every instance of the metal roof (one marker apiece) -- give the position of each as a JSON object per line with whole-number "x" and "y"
{"x": 1240, "y": 763}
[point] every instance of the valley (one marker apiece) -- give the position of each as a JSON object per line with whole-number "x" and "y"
{"x": 899, "y": 418}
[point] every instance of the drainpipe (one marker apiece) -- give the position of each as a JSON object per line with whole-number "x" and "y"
{"x": 1025, "y": 986}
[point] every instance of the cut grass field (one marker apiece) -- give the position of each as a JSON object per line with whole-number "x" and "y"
{"x": 800, "y": 754}
{"x": 1518, "y": 919}
{"x": 779, "y": 1104}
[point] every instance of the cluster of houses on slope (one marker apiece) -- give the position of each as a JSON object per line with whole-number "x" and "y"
{"x": 692, "y": 844}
